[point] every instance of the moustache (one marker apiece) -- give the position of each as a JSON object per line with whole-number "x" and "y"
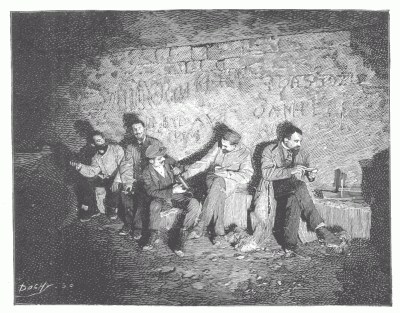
{"x": 101, "y": 147}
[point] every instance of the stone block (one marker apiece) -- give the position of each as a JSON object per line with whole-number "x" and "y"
{"x": 199, "y": 53}
{"x": 178, "y": 54}
{"x": 134, "y": 57}
{"x": 249, "y": 60}
{"x": 354, "y": 218}
{"x": 162, "y": 55}
{"x": 149, "y": 55}
{"x": 262, "y": 45}
{"x": 233, "y": 63}
{"x": 221, "y": 65}
{"x": 193, "y": 66}
{"x": 175, "y": 68}
{"x": 214, "y": 53}
{"x": 225, "y": 50}
{"x": 208, "y": 65}
{"x": 147, "y": 69}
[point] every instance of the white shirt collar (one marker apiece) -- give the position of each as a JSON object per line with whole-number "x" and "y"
{"x": 284, "y": 146}
{"x": 160, "y": 170}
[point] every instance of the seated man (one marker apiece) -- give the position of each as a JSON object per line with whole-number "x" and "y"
{"x": 85, "y": 194}
{"x": 159, "y": 184}
{"x": 135, "y": 199}
{"x": 228, "y": 165}
{"x": 286, "y": 165}
{"x": 104, "y": 173}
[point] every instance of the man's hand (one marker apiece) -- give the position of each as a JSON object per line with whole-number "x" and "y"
{"x": 127, "y": 188}
{"x": 223, "y": 174}
{"x": 176, "y": 171}
{"x": 298, "y": 171}
{"x": 178, "y": 189}
{"x": 114, "y": 186}
{"x": 77, "y": 165}
{"x": 311, "y": 174}
{"x": 217, "y": 168}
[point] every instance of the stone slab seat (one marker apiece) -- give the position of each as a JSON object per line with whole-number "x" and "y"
{"x": 235, "y": 211}
{"x": 353, "y": 217}
{"x": 236, "y": 207}
{"x": 168, "y": 218}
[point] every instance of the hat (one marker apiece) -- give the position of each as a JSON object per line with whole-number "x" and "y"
{"x": 153, "y": 151}
{"x": 232, "y": 136}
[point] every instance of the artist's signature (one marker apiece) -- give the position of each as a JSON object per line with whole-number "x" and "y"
{"x": 29, "y": 290}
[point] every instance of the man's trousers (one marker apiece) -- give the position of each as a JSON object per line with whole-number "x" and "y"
{"x": 294, "y": 199}
{"x": 190, "y": 209}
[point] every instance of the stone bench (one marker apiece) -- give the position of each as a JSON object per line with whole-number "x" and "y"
{"x": 353, "y": 217}
{"x": 168, "y": 218}
{"x": 236, "y": 208}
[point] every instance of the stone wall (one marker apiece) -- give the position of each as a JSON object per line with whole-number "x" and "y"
{"x": 314, "y": 80}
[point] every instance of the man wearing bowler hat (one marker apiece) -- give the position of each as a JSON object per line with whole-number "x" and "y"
{"x": 160, "y": 185}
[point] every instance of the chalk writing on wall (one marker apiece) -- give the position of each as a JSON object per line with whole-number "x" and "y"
{"x": 148, "y": 94}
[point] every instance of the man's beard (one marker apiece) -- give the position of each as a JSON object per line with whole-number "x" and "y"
{"x": 139, "y": 136}
{"x": 102, "y": 149}
{"x": 295, "y": 150}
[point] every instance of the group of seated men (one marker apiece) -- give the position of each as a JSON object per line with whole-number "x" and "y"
{"x": 147, "y": 178}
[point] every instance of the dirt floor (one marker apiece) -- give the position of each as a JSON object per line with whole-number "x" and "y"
{"x": 96, "y": 265}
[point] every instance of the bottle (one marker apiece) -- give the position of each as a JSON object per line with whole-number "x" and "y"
{"x": 180, "y": 179}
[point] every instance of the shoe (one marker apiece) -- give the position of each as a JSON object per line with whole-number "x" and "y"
{"x": 147, "y": 247}
{"x": 153, "y": 240}
{"x": 296, "y": 252}
{"x": 124, "y": 231}
{"x": 194, "y": 235}
{"x": 114, "y": 214}
{"x": 330, "y": 240}
{"x": 179, "y": 253}
{"x": 137, "y": 237}
{"x": 236, "y": 237}
{"x": 249, "y": 246}
{"x": 217, "y": 240}
{"x": 85, "y": 219}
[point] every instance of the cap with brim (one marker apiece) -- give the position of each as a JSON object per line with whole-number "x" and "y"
{"x": 154, "y": 151}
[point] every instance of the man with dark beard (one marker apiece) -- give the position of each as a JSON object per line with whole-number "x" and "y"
{"x": 286, "y": 165}
{"x": 104, "y": 174}
{"x": 85, "y": 195}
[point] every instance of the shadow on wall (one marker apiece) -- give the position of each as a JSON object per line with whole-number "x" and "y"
{"x": 199, "y": 180}
{"x": 376, "y": 192}
{"x": 218, "y": 131}
{"x": 372, "y": 44}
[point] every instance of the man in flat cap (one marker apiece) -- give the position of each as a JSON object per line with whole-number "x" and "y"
{"x": 135, "y": 199}
{"x": 160, "y": 185}
{"x": 228, "y": 166}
